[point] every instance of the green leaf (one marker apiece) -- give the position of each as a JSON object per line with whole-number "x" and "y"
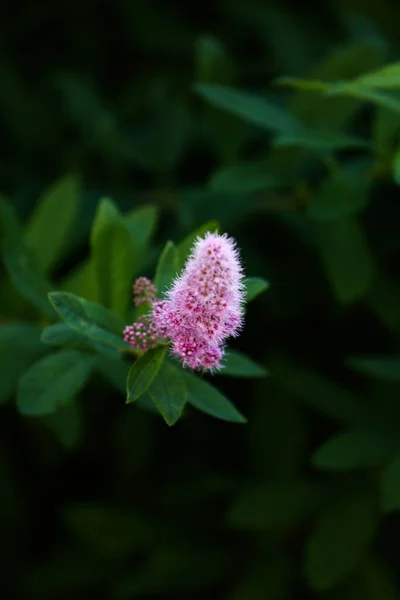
{"x": 208, "y": 399}
{"x": 60, "y": 334}
{"x": 244, "y": 178}
{"x": 90, "y": 319}
{"x": 112, "y": 255}
{"x": 390, "y": 485}
{"x": 237, "y": 364}
{"x": 317, "y": 392}
{"x": 359, "y": 448}
{"x": 249, "y": 107}
{"x": 141, "y": 224}
{"x": 186, "y": 245}
{"x": 345, "y": 62}
{"x": 385, "y": 133}
{"x": 366, "y": 95}
{"x": 51, "y": 223}
{"x": 19, "y": 262}
{"x": 324, "y": 141}
{"x": 381, "y": 367}
{"x": 346, "y": 256}
{"x": 143, "y": 372}
{"x": 20, "y": 346}
{"x": 341, "y": 538}
{"x": 168, "y": 392}
{"x": 341, "y": 194}
{"x": 167, "y": 267}
{"x": 66, "y": 425}
{"x": 254, "y": 287}
{"x": 387, "y": 77}
{"x": 274, "y": 507}
{"x": 212, "y": 63}
{"x": 53, "y": 381}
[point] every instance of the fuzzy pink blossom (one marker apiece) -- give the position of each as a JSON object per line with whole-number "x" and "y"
{"x": 143, "y": 291}
{"x": 204, "y": 305}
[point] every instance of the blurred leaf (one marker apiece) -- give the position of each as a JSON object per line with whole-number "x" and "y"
{"x": 354, "y": 449}
{"x": 265, "y": 577}
{"x": 168, "y": 392}
{"x": 365, "y": 95}
{"x": 341, "y": 194}
{"x": 237, "y": 364}
{"x": 158, "y": 143}
{"x": 108, "y": 531}
{"x": 254, "y": 287}
{"x": 385, "y": 130}
{"x": 20, "y": 346}
{"x": 167, "y": 267}
{"x": 384, "y": 300}
{"x": 60, "y": 334}
{"x": 141, "y": 224}
{"x": 112, "y": 255}
{"x": 175, "y": 567}
{"x": 208, "y": 399}
{"x": 212, "y": 62}
{"x": 20, "y": 263}
{"x": 143, "y": 372}
{"x": 376, "y": 583}
{"x": 251, "y": 108}
{"x": 381, "y": 367}
{"x": 344, "y": 62}
{"x": 244, "y": 178}
{"x": 316, "y": 391}
{"x": 186, "y": 246}
{"x": 53, "y": 382}
{"x": 90, "y": 319}
{"x": 385, "y": 78}
{"x": 274, "y": 507}
{"x": 321, "y": 141}
{"x": 270, "y": 422}
{"x": 341, "y": 537}
{"x": 390, "y": 485}
{"x": 346, "y": 256}
{"x": 51, "y": 223}
{"x": 66, "y": 425}
{"x": 82, "y": 281}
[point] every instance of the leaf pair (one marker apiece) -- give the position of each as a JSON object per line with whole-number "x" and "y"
{"x": 170, "y": 388}
{"x": 163, "y": 382}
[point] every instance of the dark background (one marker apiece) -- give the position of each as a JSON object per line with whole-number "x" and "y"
{"x": 134, "y": 509}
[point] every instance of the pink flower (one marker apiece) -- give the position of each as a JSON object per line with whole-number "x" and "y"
{"x": 204, "y": 305}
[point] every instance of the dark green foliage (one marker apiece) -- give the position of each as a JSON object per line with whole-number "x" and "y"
{"x": 128, "y": 130}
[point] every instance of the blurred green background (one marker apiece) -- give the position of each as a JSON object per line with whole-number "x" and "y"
{"x": 114, "y": 504}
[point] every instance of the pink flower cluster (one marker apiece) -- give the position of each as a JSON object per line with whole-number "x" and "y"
{"x": 205, "y": 303}
{"x": 142, "y": 335}
{"x": 203, "y": 307}
{"x": 143, "y": 291}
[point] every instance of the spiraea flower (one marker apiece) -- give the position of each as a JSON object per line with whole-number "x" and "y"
{"x": 201, "y": 310}
{"x": 204, "y": 305}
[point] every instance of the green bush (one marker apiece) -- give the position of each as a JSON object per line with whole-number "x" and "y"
{"x": 125, "y": 134}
